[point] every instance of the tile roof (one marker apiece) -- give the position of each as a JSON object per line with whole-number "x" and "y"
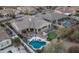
{"x": 53, "y": 16}
{"x": 30, "y": 22}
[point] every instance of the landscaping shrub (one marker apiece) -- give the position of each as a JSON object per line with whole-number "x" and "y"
{"x": 16, "y": 41}
{"x": 65, "y": 32}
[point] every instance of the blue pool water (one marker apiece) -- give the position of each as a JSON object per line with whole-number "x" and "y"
{"x": 37, "y": 44}
{"x": 67, "y": 23}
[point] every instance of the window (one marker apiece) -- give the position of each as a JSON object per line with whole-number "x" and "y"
{"x": 23, "y": 31}
{"x": 27, "y": 29}
{"x": 10, "y": 51}
{"x": 54, "y": 21}
{"x": 31, "y": 29}
{"x": 39, "y": 29}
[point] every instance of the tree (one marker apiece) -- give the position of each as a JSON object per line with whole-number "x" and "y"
{"x": 2, "y": 25}
{"x": 16, "y": 41}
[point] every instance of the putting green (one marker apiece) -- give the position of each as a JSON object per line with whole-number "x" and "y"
{"x": 52, "y": 35}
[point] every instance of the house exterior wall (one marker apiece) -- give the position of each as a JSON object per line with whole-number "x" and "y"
{"x": 46, "y": 28}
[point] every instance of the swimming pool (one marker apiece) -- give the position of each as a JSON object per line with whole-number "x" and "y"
{"x": 67, "y": 23}
{"x": 37, "y": 44}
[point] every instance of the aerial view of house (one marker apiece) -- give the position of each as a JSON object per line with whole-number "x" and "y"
{"x": 39, "y": 29}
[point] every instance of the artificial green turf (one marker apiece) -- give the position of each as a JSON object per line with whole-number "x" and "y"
{"x": 51, "y": 35}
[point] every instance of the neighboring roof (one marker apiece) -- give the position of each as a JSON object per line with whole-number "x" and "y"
{"x": 3, "y": 34}
{"x": 5, "y": 43}
{"x": 65, "y": 9}
{"x": 75, "y": 17}
{"x": 52, "y": 16}
{"x": 25, "y": 9}
{"x": 5, "y": 18}
{"x": 75, "y": 7}
{"x": 29, "y": 22}
{"x": 7, "y": 11}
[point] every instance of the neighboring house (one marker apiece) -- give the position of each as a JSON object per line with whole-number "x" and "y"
{"x": 76, "y": 8}
{"x": 52, "y": 17}
{"x": 2, "y": 19}
{"x": 5, "y": 43}
{"x": 4, "y": 38}
{"x": 75, "y": 17}
{"x": 27, "y": 10}
{"x": 65, "y": 10}
{"x": 30, "y": 23}
{"x": 9, "y": 12}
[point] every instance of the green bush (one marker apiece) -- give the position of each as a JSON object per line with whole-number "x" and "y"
{"x": 2, "y": 25}
{"x": 16, "y": 41}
